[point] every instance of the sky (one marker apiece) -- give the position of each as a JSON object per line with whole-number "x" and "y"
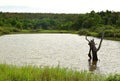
{"x": 59, "y": 6}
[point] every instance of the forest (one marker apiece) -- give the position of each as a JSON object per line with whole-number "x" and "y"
{"x": 92, "y": 23}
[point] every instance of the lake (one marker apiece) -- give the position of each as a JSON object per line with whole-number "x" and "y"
{"x": 64, "y": 50}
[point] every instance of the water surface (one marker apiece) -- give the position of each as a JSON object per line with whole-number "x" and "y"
{"x": 65, "y": 50}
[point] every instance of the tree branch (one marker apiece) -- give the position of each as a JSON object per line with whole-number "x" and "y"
{"x": 86, "y": 38}
{"x": 101, "y": 41}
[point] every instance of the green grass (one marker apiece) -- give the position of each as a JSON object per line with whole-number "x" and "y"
{"x": 43, "y": 31}
{"x": 112, "y": 38}
{"x": 12, "y": 30}
{"x": 30, "y": 73}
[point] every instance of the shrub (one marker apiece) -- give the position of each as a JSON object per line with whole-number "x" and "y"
{"x": 5, "y": 32}
{"x": 84, "y": 32}
{"x": 109, "y": 33}
{"x": 118, "y": 35}
{"x": 15, "y": 30}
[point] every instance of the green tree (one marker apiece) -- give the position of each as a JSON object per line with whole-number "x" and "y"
{"x": 78, "y": 23}
{"x": 118, "y": 21}
{"x": 92, "y": 19}
{"x": 19, "y": 25}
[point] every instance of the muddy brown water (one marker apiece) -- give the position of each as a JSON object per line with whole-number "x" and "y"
{"x": 65, "y": 50}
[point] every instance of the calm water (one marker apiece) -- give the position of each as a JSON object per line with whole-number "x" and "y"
{"x": 65, "y": 50}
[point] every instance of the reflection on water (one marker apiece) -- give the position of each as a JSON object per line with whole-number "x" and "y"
{"x": 93, "y": 65}
{"x": 65, "y": 50}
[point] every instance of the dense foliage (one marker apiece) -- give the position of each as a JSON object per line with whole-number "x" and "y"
{"x": 94, "y": 22}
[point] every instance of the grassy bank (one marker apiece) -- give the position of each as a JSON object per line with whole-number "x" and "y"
{"x": 30, "y": 73}
{"x": 47, "y": 31}
{"x": 109, "y": 34}
{"x": 13, "y": 30}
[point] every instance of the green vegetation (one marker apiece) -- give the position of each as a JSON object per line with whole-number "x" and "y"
{"x": 110, "y": 32}
{"x": 48, "y": 31}
{"x": 30, "y": 73}
{"x": 92, "y": 23}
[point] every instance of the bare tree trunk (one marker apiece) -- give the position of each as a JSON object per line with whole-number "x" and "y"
{"x": 93, "y": 48}
{"x": 94, "y": 54}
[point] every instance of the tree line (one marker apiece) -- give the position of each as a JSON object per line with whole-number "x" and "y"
{"x": 93, "y": 21}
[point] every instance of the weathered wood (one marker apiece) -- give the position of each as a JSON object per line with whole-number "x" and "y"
{"x": 87, "y": 39}
{"x": 101, "y": 41}
{"x": 93, "y": 48}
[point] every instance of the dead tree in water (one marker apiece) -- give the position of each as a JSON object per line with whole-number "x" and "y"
{"x": 93, "y": 48}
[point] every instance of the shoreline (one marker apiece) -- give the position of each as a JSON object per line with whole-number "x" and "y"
{"x": 57, "y": 31}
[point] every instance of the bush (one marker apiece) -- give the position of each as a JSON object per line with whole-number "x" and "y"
{"x": 15, "y": 30}
{"x": 109, "y": 33}
{"x": 84, "y": 32}
{"x": 12, "y": 29}
{"x": 118, "y": 35}
{"x": 5, "y": 32}
{"x": 93, "y": 34}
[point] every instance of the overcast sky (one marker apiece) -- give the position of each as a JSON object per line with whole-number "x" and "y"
{"x": 59, "y": 6}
